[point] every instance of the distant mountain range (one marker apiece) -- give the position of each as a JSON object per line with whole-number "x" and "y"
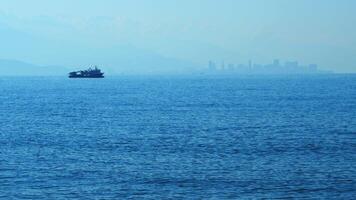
{"x": 19, "y": 68}
{"x": 142, "y": 64}
{"x": 139, "y": 65}
{"x": 25, "y": 48}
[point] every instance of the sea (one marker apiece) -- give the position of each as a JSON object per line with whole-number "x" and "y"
{"x": 178, "y": 137}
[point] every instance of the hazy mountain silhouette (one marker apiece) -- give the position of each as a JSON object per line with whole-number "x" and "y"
{"x": 19, "y": 68}
{"x": 130, "y": 60}
{"x": 18, "y": 46}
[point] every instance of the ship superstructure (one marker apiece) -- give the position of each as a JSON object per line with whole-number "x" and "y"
{"x": 89, "y": 73}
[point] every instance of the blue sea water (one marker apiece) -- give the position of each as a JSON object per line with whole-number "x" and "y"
{"x": 267, "y": 137}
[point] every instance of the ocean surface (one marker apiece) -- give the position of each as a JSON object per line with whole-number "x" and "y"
{"x": 267, "y": 137}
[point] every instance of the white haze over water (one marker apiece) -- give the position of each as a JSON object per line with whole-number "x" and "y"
{"x": 143, "y": 36}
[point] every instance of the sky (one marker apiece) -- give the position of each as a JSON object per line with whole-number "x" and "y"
{"x": 187, "y": 32}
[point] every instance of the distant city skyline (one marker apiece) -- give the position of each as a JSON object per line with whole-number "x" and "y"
{"x": 276, "y": 67}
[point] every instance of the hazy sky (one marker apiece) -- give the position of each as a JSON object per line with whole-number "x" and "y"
{"x": 310, "y": 31}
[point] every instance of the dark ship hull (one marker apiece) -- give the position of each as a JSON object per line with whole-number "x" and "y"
{"x": 80, "y": 76}
{"x": 90, "y": 73}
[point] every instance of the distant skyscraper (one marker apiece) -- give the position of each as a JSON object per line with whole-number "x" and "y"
{"x": 212, "y": 66}
{"x": 276, "y": 63}
{"x": 231, "y": 67}
{"x": 292, "y": 64}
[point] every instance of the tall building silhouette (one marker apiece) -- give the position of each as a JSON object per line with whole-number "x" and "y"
{"x": 276, "y": 67}
{"x": 212, "y": 66}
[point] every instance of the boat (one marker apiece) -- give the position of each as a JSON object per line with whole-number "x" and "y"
{"x": 89, "y": 73}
